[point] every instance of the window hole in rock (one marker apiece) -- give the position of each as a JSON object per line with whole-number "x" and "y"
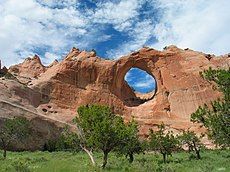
{"x": 142, "y": 84}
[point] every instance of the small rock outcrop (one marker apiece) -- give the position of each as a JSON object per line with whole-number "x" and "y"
{"x": 30, "y": 69}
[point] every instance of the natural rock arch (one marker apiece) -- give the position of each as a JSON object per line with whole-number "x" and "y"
{"x": 122, "y": 89}
{"x": 83, "y": 78}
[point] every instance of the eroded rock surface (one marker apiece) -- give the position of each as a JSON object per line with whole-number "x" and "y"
{"x": 30, "y": 69}
{"x": 84, "y": 78}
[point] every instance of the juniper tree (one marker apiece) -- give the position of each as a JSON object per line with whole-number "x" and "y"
{"x": 216, "y": 118}
{"x": 68, "y": 140}
{"x": 163, "y": 141}
{"x": 101, "y": 128}
{"x": 15, "y": 129}
{"x": 130, "y": 142}
{"x": 192, "y": 142}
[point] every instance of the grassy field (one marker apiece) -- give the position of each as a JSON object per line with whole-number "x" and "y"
{"x": 68, "y": 162}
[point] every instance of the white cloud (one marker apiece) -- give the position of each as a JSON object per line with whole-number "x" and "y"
{"x": 146, "y": 82}
{"x": 28, "y": 25}
{"x": 146, "y": 85}
{"x": 139, "y": 35}
{"x": 127, "y": 76}
{"x": 140, "y": 80}
{"x": 69, "y": 17}
{"x": 198, "y": 24}
{"x": 56, "y": 26}
{"x": 119, "y": 14}
{"x": 55, "y": 3}
{"x": 50, "y": 57}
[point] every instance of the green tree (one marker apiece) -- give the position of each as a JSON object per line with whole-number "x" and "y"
{"x": 221, "y": 78}
{"x": 216, "y": 117}
{"x": 101, "y": 128}
{"x": 15, "y": 129}
{"x": 130, "y": 143}
{"x": 68, "y": 140}
{"x": 163, "y": 141}
{"x": 192, "y": 142}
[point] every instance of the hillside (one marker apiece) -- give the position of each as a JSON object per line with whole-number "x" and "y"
{"x": 50, "y": 95}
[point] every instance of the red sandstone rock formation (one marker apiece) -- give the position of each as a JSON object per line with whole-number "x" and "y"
{"x": 83, "y": 78}
{"x": 30, "y": 69}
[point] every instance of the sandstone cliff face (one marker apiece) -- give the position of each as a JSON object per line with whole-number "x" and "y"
{"x": 83, "y": 78}
{"x": 17, "y": 99}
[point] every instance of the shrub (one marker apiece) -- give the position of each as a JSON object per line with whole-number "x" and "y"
{"x": 16, "y": 129}
{"x": 130, "y": 143}
{"x": 163, "y": 142}
{"x": 192, "y": 142}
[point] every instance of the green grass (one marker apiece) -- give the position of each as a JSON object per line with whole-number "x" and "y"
{"x": 216, "y": 160}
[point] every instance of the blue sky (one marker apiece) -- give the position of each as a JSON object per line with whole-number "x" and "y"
{"x": 140, "y": 80}
{"x": 50, "y": 28}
